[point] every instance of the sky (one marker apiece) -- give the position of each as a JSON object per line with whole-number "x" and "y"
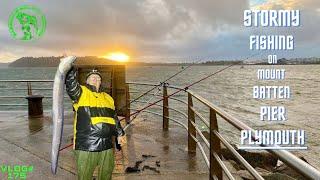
{"x": 157, "y": 30}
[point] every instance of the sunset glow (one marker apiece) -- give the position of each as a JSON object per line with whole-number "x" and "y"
{"x": 117, "y": 56}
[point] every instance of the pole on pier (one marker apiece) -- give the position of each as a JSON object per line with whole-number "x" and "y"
{"x": 29, "y": 88}
{"x": 165, "y": 121}
{"x": 127, "y": 113}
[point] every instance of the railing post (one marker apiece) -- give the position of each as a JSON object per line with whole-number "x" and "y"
{"x": 191, "y": 129}
{"x": 165, "y": 108}
{"x": 127, "y": 104}
{"x": 215, "y": 169}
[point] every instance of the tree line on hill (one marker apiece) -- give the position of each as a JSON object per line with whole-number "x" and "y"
{"x": 54, "y": 62}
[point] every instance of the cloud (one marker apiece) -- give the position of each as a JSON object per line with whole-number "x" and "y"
{"x": 307, "y": 36}
{"x": 148, "y": 28}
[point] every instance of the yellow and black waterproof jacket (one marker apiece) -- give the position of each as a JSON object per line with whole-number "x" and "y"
{"x": 95, "y": 121}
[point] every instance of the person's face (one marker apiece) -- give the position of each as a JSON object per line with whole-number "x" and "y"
{"x": 94, "y": 80}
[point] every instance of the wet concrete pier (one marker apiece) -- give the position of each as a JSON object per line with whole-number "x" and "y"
{"x": 164, "y": 155}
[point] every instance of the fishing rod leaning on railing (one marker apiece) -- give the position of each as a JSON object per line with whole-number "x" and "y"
{"x": 161, "y": 83}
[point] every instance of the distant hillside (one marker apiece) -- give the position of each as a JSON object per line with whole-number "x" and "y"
{"x": 294, "y": 61}
{"x": 88, "y": 60}
{"x": 54, "y": 61}
{"x": 311, "y": 60}
{"x": 221, "y": 62}
{"x": 282, "y": 61}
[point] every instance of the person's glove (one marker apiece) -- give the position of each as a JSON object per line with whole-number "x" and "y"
{"x": 120, "y": 140}
{"x": 118, "y": 146}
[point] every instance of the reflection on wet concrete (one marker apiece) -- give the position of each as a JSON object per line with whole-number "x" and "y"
{"x": 26, "y": 140}
{"x": 192, "y": 163}
{"x": 168, "y": 147}
{"x": 35, "y": 125}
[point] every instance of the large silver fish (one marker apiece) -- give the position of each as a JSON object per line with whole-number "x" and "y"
{"x": 57, "y": 108}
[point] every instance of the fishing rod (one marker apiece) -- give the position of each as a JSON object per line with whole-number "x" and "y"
{"x": 188, "y": 86}
{"x": 161, "y": 83}
{"x": 136, "y": 115}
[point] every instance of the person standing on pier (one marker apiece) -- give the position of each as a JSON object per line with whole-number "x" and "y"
{"x": 95, "y": 123}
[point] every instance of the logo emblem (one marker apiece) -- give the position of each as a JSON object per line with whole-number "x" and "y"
{"x": 27, "y": 23}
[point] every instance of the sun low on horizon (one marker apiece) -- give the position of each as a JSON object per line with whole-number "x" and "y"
{"x": 117, "y": 56}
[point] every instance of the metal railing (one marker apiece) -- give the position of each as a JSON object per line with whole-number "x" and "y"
{"x": 214, "y": 160}
{"x": 28, "y": 90}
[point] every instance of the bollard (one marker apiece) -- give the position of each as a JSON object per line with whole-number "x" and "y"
{"x": 35, "y": 105}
